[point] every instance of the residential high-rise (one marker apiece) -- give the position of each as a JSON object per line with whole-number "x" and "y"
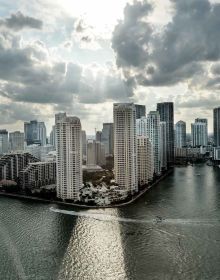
{"x": 108, "y": 138}
{"x": 163, "y": 145}
{"x": 216, "y": 126}
{"x": 69, "y": 156}
{"x": 180, "y": 134}
{"x": 145, "y": 160}
{"x": 3, "y": 141}
{"x": 199, "y": 134}
{"x": 16, "y": 141}
{"x": 140, "y": 111}
{"x": 35, "y": 133}
{"x": 125, "y": 147}
{"x": 150, "y": 127}
{"x": 167, "y": 115}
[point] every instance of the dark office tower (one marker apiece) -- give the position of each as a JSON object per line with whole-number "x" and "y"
{"x": 140, "y": 111}
{"x": 98, "y": 136}
{"x": 108, "y": 138}
{"x": 216, "y": 126}
{"x": 35, "y": 133}
{"x": 166, "y": 115}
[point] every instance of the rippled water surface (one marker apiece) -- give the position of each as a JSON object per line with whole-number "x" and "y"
{"x": 43, "y": 242}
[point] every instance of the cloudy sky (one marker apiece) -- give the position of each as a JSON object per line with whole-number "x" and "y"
{"x": 81, "y": 56}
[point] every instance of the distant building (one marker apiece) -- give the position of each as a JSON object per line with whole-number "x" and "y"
{"x": 84, "y": 144}
{"x": 3, "y": 141}
{"x": 35, "y": 133}
{"x": 216, "y": 154}
{"x": 53, "y": 136}
{"x": 107, "y": 138}
{"x": 163, "y": 145}
{"x": 216, "y": 126}
{"x": 69, "y": 156}
{"x": 91, "y": 153}
{"x": 38, "y": 174}
{"x": 140, "y": 111}
{"x": 98, "y": 136}
{"x": 199, "y": 132}
{"x": 12, "y": 164}
{"x": 125, "y": 146}
{"x": 180, "y": 134}
{"x": 145, "y": 160}
{"x": 16, "y": 141}
{"x": 166, "y": 112}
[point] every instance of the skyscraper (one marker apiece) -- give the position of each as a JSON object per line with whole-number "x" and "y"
{"x": 180, "y": 134}
{"x": 145, "y": 160}
{"x": 199, "y": 134}
{"x": 163, "y": 145}
{"x": 125, "y": 148}
{"x": 84, "y": 145}
{"x": 166, "y": 115}
{"x": 216, "y": 126}
{"x": 16, "y": 141}
{"x": 53, "y": 136}
{"x": 150, "y": 127}
{"x": 140, "y": 111}
{"x": 69, "y": 156}
{"x": 35, "y": 133}
{"x": 108, "y": 138}
{"x": 98, "y": 136}
{"x": 3, "y": 141}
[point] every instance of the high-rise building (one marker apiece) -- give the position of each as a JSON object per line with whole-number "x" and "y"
{"x": 69, "y": 156}
{"x": 98, "y": 136}
{"x": 3, "y": 141}
{"x": 16, "y": 141}
{"x": 145, "y": 160}
{"x": 163, "y": 145}
{"x": 35, "y": 133}
{"x": 53, "y": 136}
{"x": 199, "y": 134}
{"x": 150, "y": 126}
{"x": 108, "y": 138}
{"x": 12, "y": 164}
{"x": 216, "y": 126}
{"x": 84, "y": 145}
{"x": 180, "y": 134}
{"x": 125, "y": 147}
{"x": 140, "y": 111}
{"x": 100, "y": 153}
{"x": 167, "y": 115}
{"x": 91, "y": 153}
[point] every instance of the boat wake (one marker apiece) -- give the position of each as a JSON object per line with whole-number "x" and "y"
{"x": 157, "y": 220}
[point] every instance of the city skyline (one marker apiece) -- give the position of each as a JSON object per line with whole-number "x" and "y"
{"x": 74, "y": 57}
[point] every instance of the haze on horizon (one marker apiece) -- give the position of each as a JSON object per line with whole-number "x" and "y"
{"x": 81, "y": 56}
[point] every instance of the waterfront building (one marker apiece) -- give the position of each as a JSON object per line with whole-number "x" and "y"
{"x": 163, "y": 145}
{"x": 167, "y": 115}
{"x": 53, "y": 136}
{"x": 38, "y": 174}
{"x": 216, "y": 126}
{"x": 125, "y": 147}
{"x": 69, "y": 156}
{"x": 16, "y": 141}
{"x": 145, "y": 160}
{"x": 150, "y": 127}
{"x": 180, "y": 134}
{"x": 108, "y": 138}
{"x": 199, "y": 133}
{"x": 140, "y": 111}
{"x": 12, "y": 164}
{"x": 35, "y": 133}
{"x": 3, "y": 141}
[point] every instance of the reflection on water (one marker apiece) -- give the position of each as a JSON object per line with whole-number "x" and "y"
{"x": 173, "y": 232}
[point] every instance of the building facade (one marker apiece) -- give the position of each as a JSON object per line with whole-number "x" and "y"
{"x": 216, "y": 126}
{"x": 140, "y": 111}
{"x": 180, "y": 134}
{"x": 199, "y": 133}
{"x": 145, "y": 160}
{"x": 3, "y": 141}
{"x": 166, "y": 111}
{"x": 35, "y": 133}
{"x": 107, "y": 138}
{"x": 69, "y": 156}
{"x": 163, "y": 145}
{"x": 125, "y": 146}
{"x": 16, "y": 141}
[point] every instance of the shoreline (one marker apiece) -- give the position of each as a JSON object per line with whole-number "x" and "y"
{"x": 42, "y": 200}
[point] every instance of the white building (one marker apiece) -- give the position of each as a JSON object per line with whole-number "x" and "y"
{"x": 145, "y": 160}
{"x": 180, "y": 134}
{"x": 199, "y": 132}
{"x": 125, "y": 147}
{"x": 150, "y": 126}
{"x": 69, "y": 156}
